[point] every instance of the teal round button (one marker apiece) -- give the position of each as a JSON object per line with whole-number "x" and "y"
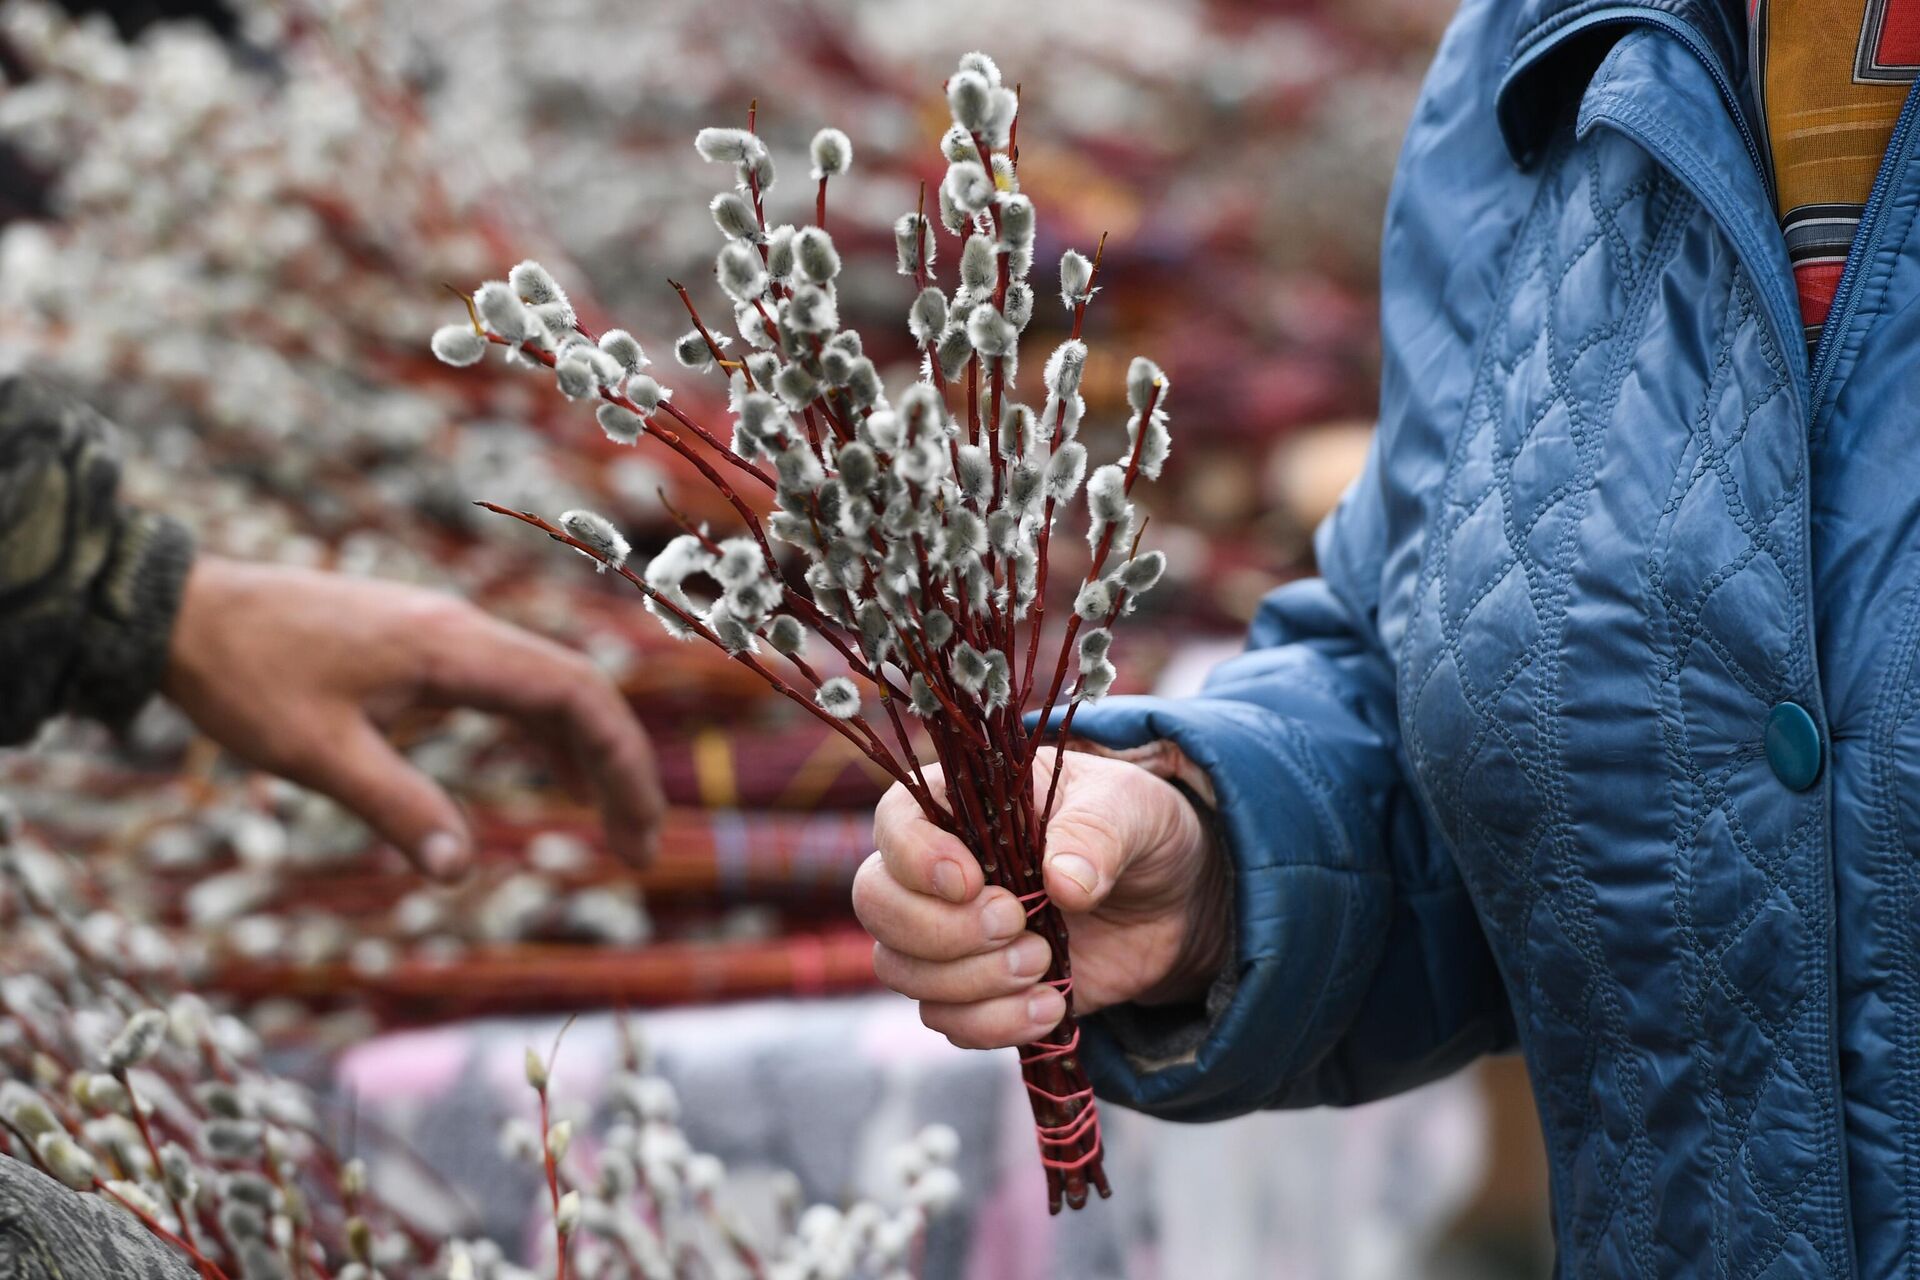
{"x": 1793, "y": 745}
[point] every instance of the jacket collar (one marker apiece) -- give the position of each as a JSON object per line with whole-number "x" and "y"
{"x": 1558, "y": 43}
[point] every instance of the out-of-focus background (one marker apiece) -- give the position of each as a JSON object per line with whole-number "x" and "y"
{"x": 229, "y": 226}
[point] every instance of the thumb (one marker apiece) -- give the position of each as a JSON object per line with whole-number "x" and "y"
{"x": 408, "y": 809}
{"x": 1085, "y": 856}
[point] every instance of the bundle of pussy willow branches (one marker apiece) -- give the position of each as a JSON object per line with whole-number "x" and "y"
{"x": 917, "y": 528}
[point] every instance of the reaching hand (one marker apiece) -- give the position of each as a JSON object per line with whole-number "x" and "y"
{"x": 1127, "y": 862}
{"x": 293, "y": 671}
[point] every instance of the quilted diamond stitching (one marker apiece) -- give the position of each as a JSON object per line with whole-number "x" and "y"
{"x": 1571, "y": 381}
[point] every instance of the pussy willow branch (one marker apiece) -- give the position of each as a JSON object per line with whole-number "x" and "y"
{"x": 1039, "y": 613}
{"x": 1094, "y": 569}
{"x": 870, "y": 746}
{"x": 805, "y": 608}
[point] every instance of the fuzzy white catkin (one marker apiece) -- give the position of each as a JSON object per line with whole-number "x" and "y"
{"x": 735, "y": 218}
{"x": 990, "y": 333}
{"x": 1154, "y": 446}
{"x": 692, "y": 351}
{"x": 1016, "y": 431}
{"x": 936, "y": 1190}
{"x": 811, "y": 309}
{"x": 954, "y": 350}
{"x": 1143, "y": 572}
{"x": 1019, "y": 304}
{"x": 970, "y": 97}
{"x": 535, "y": 284}
{"x": 1143, "y": 377}
{"x": 575, "y": 377}
{"x": 607, "y": 371}
{"x": 1065, "y": 471}
{"x": 729, "y": 630}
{"x": 622, "y": 425}
{"x": 978, "y": 263}
{"x": 980, "y": 63}
{"x": 502, "y": 311}
{"x": 1095, "y": 681}
{"x": 928, "y": 316}
{"x": 975, "y": 474}
{"x": 1094, "y": 646}
{"x": 815, "y": 255}
{"x": 1107, "y": 493}
{"x": 1062, "y": 417}
{"x": 66, "y": 1160}
{"x": 138, "y": 1041}
{"x": 1016, "y": 220}
{"x": 969, "y": 187}
{"x": 1076, "y": 274}
{"x": 787, "y": 636}
{"x": 1065, "y": 367}
{"x": 831, "y": 152}
{"x": 552, "y": 322}
{"x": 625, "y": 349}
{"x": 646, "y": 394}
{"x": 740, "y": 272}
{"x": 596, "y": 531}
{"x": 796, "y": 387}
{"x": 458, "y": 345}
{"x": 839, "y": 698}
{"x": 727, "y": 146}
{"x": 756, "y": 172}
{"x": 739, "y": 561}
{"x": 752, "y": 322}
{"x": 1002, "y": 106}
{"x": 1094, "y": 600}
{"x": 780, "y": 250}
{"x": 913, "y": 244}
{"x": 559, "y": 1139}
{"x": 859, "y": 468}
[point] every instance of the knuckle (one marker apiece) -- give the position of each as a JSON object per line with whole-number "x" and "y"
{"x": 868, "y": 889}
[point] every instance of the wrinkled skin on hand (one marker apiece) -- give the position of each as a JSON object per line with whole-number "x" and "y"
{"x": 1128, "y": 863}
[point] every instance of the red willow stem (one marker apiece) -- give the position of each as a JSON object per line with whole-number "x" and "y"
{"x": 713, "y": 346}
{"x": 153, "y": 1148}
{"x": 820, "y": 205}
{"x": 553, "y": 1189}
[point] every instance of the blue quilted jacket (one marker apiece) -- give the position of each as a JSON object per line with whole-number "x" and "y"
{"x": 1597, "y": 737}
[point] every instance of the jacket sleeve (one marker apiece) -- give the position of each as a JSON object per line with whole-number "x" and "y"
{"x": 88, "y": 587}
{"x": 1359, "y": 967}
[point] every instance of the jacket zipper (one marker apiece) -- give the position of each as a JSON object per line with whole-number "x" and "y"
{"x": 1866, "y": 240}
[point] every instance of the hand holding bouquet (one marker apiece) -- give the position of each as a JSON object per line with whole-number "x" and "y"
{"x": 908, "y": 537}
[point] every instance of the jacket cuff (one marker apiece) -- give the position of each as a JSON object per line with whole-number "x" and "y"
{"x": 122, "y": 642}
{"x": 1310, "y": 918}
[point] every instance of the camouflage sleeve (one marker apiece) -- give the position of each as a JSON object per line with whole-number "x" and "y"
{"x": 88, "y": 588}
{"x": 50, "y": 1233}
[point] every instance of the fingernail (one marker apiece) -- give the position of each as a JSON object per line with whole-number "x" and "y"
{"x": 444, "y": 854}
{"x": 1027, "y": 959}
{"x": 1077, "y": 869}
{"x": 950, "y": 880}
{"x": 1044, "y": 1007}
{"x": 1003, "y": 918}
